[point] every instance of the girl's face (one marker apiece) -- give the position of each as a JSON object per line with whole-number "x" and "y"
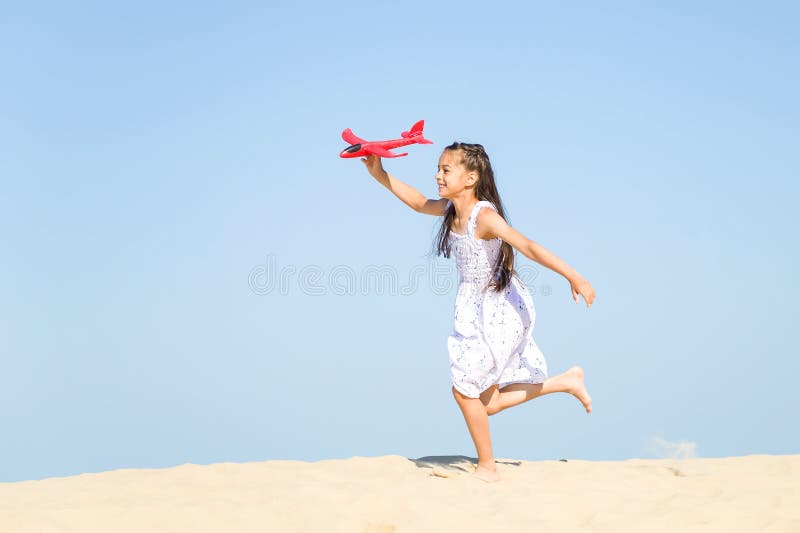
{"x": 451, "y": 176}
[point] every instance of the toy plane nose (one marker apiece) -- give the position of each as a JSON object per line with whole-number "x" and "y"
{"x": 351, "y": 151}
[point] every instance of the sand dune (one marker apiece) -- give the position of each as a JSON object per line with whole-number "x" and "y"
{"x": 755, "y": 493}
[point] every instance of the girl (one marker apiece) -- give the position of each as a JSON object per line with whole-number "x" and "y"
{"x": 494, "y": 361}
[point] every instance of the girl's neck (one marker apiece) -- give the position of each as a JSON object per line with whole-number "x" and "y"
{"x": 463, "y": 207}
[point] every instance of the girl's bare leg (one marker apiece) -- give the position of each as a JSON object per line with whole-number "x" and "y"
{"x": 570, "y": 381}
{"x": 475, "y": 414}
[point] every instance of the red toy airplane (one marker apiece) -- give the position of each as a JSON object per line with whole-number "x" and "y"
{"x": 359, "y": 147}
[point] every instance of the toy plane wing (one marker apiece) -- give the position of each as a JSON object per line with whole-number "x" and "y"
{"x": 351, "y": 137}
{"x": 382, "y": 152}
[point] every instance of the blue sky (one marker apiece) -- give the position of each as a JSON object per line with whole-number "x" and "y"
{"x": 156, "y": 159}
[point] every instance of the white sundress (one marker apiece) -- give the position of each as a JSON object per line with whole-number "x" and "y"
{"x": 492, "y": 340}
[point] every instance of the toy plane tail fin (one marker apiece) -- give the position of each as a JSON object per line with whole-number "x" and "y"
{"x": 416, "y": 133}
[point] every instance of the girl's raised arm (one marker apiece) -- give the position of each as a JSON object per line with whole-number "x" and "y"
{"x": 405, "y": 192}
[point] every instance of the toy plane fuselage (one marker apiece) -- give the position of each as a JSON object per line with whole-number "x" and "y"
{"x": 361, "y": 148}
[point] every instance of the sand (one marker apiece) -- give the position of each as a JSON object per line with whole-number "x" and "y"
{"x": 755, "y": 493}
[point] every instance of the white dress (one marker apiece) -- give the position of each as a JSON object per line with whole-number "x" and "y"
{"x": 492, "y": 340}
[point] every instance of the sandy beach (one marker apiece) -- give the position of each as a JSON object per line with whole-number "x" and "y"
{"x": 755, "y": 493}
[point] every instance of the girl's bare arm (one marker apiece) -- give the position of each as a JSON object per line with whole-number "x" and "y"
{"x": 405, "y": 192}
{"x": 490, "y": 222}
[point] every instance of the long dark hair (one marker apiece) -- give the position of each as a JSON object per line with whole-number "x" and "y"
{"x": 474, "y": 157}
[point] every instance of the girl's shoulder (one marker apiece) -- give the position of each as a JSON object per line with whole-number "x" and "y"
{"x": 484, "y": 203}
{"x": 482, "y": 226}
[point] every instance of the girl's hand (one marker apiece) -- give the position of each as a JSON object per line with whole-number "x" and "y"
{"x": 374, "y": 165}
{"x": 584, "y": 288}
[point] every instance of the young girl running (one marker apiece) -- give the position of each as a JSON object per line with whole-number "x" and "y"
{"x": 494, "y": 361}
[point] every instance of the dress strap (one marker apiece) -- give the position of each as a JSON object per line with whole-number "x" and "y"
{"x": 473, "y": 217}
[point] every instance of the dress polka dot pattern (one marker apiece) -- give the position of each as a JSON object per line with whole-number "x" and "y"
{"x": 492, "y": 340}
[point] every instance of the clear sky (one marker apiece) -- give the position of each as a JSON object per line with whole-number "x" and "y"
{"x": 163, "y": 164}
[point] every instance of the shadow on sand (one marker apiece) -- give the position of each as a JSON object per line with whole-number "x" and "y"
{"x": 455, "y": 464}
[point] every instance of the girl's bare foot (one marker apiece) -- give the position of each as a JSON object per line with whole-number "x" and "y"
{"x": 576, "y": 387}
{"x": 485, "y": 473}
